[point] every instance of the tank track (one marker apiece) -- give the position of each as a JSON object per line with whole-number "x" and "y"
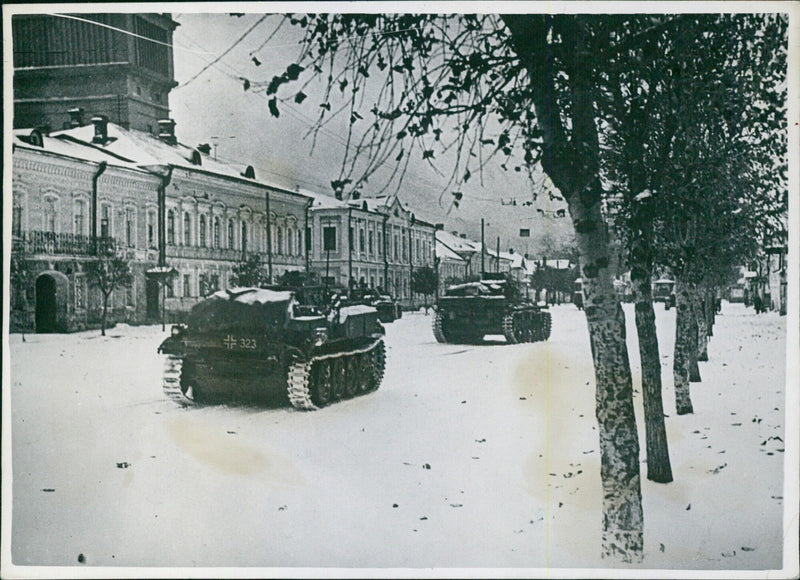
{"x": 508, "y": 328}
{"x": 438, "y": 331}
{"x": 298, "y": 377}
{"x": 171, "y": 381}
{"x": 548, "y": 324}
{"x": 539, "y": 331}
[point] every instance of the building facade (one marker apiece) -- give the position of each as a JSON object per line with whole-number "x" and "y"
{"x": 163, "y": 206}
{"x": 119, "y": 65}
{"x": 55, "y": 186}
{"x": 371, "y": 242}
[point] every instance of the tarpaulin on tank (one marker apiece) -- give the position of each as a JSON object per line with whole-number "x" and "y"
{"x": 242, "y": 309}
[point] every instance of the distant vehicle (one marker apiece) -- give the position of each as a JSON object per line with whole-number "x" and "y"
{"x": 494, "y": 305}
{"x": 263, "y": 344}
{"x": 577, "y": 293}
{"x": 663, "y": 290}
{"x": 388, "y": 309}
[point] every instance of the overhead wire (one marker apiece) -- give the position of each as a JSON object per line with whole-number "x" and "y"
{"x": 238, "y": 76}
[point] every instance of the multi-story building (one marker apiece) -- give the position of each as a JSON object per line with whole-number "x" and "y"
{"x": 372, "y": 242}
{"x": 56, "y": 185}
{"x": 119, "y": 65}
{"x": 169, "y": 208}
{"x": 450, "y": 267}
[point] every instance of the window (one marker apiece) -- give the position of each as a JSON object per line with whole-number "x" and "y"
{"x": 370, "y": 244}
{"x": 230, "y": 234}
{"x": 187, "y": 291}
{"x": 187, "y": 229}
{"x": 244, "y": 237}
{"x": 130, "y": 232}
{"x": 105, "y": 221}
{"x": 308, "y": 239}
{"x": 50, "y": 215}
{"x": 151, "y": 226}
{"x": 405, "y": 249}
{"x": 171, "y": 228}
{"x": 329, "y": 239}
{"x": 290, "y": 241}
{"x": 380, "y": 244}
{"x": 202, "y": 231}
{"x": 80, "y": 217}
{"x": 279, "y": 235}
{"x": 361, "y": 244}
{"x": 168, "y": 284}
{"x": 16, "y": 221}
{"x": 299, "y": 242}
{"x": 216, "y": 232}
{"x": 396, "y": 247}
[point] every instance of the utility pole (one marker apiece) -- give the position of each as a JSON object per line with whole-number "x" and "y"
{"x": 483, "y": 249}
{"x": 497, "y": 258}
{"x": 269, "y": 240}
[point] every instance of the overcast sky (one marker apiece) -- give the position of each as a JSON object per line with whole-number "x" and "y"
{"x": 211, "y": 106}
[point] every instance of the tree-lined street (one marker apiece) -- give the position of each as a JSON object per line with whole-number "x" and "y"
{"x": 467, "y": 456}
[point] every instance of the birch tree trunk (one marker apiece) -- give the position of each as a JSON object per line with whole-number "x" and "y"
{"x": 659, "y": 468}
{"x": 694, "y": 336}
{"x": 619, "y": 440}
{"x": 572, "y": 165}
{"x": 680, "y": 361}
{"x": 702, "y": 325}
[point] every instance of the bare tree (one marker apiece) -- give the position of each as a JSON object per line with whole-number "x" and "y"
{"x": 108, "y": 272}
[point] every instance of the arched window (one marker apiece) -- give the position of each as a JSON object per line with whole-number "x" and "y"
{"x": 290, "y": 241}
{"x": 244, "y": 236}
{"x": 171, "y": 228}
{"x": 216, "y": 232}
{"x": 187, "y": 229}
{"x": 280, "y": 241}
{"x": 230, "y": 234}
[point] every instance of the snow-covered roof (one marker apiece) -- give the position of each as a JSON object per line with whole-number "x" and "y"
{"x": 67, "y": 148}
{"x": 445, "y": 253}
{"x": 322, "y": 201}
{"x": 456, "y": 243}
{"x": 145, "y": 149}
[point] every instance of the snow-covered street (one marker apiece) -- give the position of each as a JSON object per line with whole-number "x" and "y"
{"x": 468, "y": 456}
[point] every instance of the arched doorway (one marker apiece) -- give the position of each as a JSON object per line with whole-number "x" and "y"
{"x": 51, "y": 302}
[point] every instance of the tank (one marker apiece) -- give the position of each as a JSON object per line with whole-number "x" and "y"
{"x": 388, "y": 309}
{"x": 494, "y": 305}
{"x": 267, "y": 345}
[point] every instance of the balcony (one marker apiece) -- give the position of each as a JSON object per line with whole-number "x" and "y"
{"x": 37, "y": 242}
{"x": 228, "y": 255}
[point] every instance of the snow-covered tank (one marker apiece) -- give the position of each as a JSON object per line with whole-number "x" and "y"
{"x": 258, "y": 345}
{"x": 494, "y": 305}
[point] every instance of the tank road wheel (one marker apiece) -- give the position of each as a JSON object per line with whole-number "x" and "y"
{"x": 377, "y": 365}
{"x": 510, "y": 328}
{"x": 321, "y": 383}
{"x": 338, "y": 377}
{"x": 438, "y": 327}
{"x": 353, "y": 375}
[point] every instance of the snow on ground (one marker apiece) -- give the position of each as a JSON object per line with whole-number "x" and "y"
{"x": 469, "y": 456}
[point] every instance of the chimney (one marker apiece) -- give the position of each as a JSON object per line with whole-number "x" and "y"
{"x": 100, "y": 129}
{"x": 204, "y": 148}
{"x": 439, "y": 226}
{"x": 166, "y": 131}
{"x": 463, "y": 236}
{"x": 75, "y": 117}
